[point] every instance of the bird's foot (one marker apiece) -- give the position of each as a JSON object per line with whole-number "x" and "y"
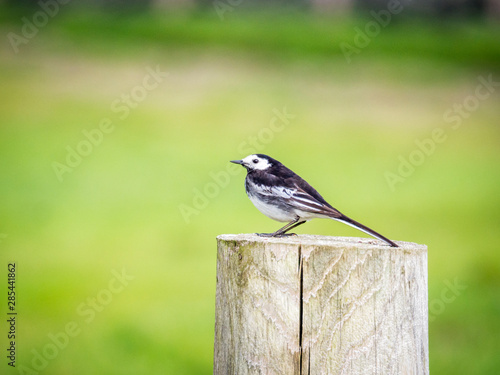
{"x": 278, "y": 235}
{"x": 264, "y": 234}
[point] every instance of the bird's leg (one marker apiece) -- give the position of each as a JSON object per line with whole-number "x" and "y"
{"x": 293, "y": 226}
{"x": 281, "y": 232}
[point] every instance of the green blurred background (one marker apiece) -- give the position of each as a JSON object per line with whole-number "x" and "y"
{"x": 151, "y": 195}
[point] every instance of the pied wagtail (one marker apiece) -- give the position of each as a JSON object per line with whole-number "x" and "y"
{"x": 284, "y": 196}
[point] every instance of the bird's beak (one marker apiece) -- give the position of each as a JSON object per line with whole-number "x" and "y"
{"x": 237, "y": 161}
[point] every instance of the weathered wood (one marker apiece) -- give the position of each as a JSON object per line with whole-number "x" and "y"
{"x": 320, "y": 305}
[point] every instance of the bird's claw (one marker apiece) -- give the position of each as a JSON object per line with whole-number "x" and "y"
{"x": 264, "y": 234}
{"x": 277, "y": 235}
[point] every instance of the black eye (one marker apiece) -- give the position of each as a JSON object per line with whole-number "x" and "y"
{"x": 255, "y": 161}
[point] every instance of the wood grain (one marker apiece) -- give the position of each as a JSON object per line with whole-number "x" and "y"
{"x": 320, "y": 305}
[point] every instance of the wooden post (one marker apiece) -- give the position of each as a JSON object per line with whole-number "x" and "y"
{"x": 320, "y": 305}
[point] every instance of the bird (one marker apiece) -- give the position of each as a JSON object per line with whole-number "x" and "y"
{"x": 282, "y": 195}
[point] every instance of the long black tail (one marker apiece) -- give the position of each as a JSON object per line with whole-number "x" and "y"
{"x": 353, "y": 223}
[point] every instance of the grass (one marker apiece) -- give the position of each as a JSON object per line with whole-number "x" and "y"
{"x": 119, "y": 208}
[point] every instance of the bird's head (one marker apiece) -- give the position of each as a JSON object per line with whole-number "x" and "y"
{"x": 256, "y": 162}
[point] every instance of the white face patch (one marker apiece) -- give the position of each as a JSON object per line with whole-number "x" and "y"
{"x": 255, "y": 162}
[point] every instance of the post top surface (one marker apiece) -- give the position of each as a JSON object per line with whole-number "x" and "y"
{"x": 316, "y": 240}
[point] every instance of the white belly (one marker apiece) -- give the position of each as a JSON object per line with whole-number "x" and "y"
{"x": 271, "y": 211}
